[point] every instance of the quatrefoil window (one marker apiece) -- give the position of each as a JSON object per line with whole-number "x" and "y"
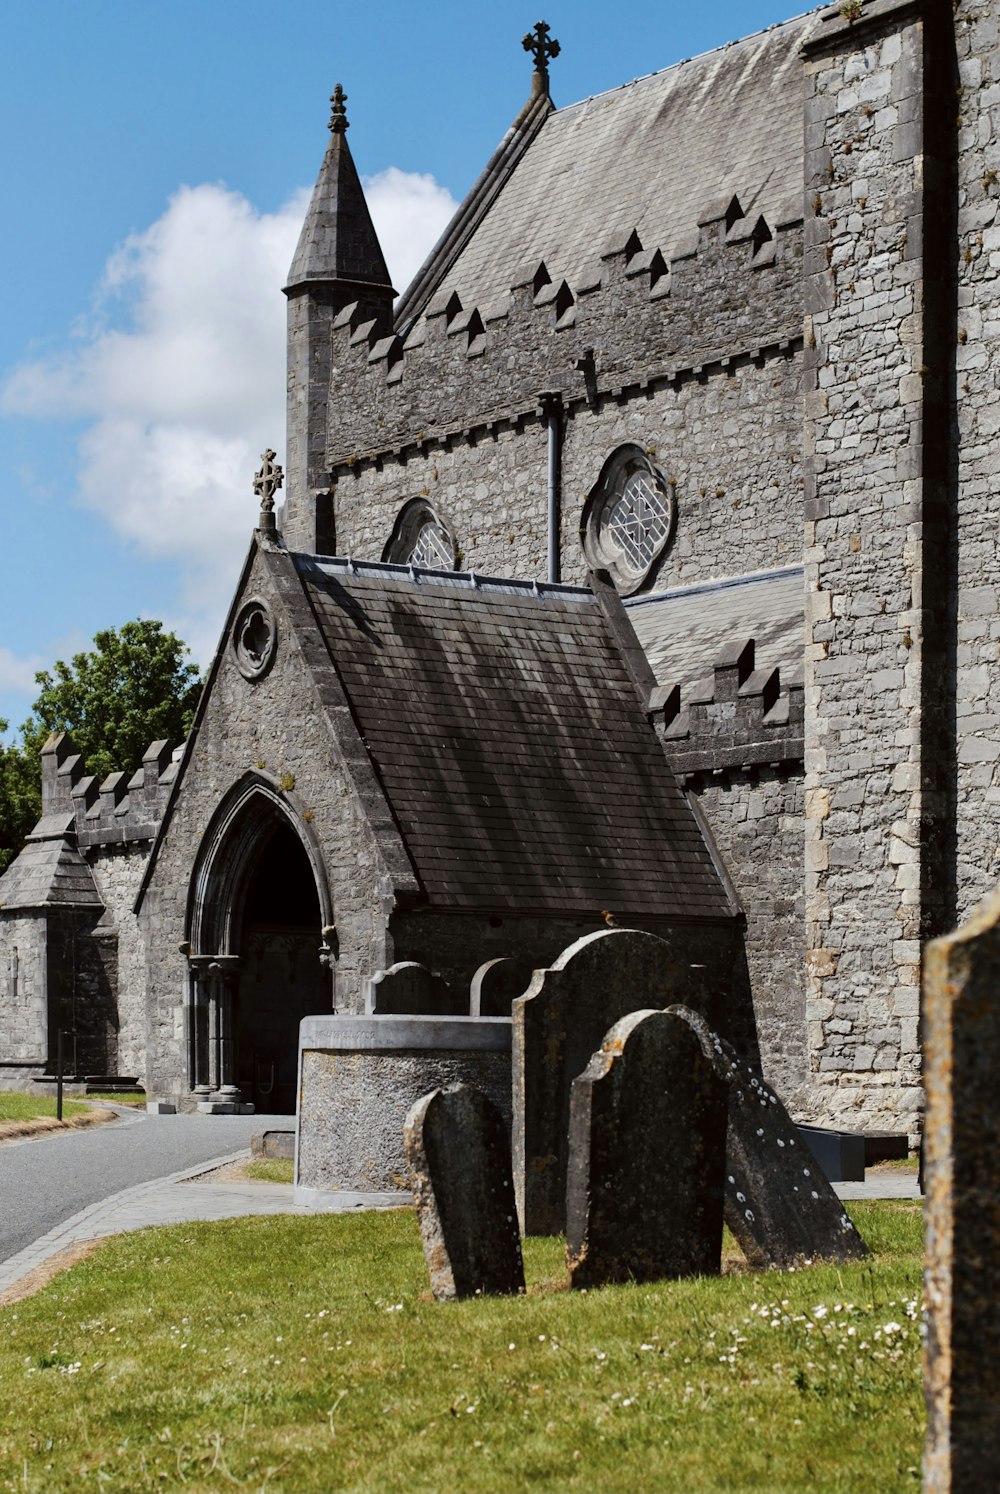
{"x": 628, "y": 518}
{"x": 254, "y": 639}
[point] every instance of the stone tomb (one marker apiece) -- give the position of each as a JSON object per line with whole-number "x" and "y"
{"x": 779, "y": 1204}
{"x": 458, "y": 1154}
{"x": 962, "y": 1183}
{"x": 557, "y": 1025}
{"x": 647, "y": 1154}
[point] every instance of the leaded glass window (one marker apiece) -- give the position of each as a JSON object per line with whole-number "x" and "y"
{"x": 629, "y": 518}
{"x": 421, "y": 537}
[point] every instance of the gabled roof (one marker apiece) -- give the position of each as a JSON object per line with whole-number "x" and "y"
{"x": 653, "y": 156}
{"x": 511, "y": 743}
{"x": 686, "y": 631}
{"x": 49, "y": 871}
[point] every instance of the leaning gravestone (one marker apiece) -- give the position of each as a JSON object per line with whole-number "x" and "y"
{"x": 647, "y": 1156}
{"x": 962, "y": 1186}
{"x": 557, "y": 1025}
{"x": 497, "y": 985}
{"x": 409, "y": 989}
{"x": 779, "y": 1204}
{"x": 458, "y": 1155}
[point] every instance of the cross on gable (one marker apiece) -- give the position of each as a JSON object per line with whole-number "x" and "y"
{"x": 541, "y": 46}
{"x": 338, "y": 115}
{"x": 268, "y": 480}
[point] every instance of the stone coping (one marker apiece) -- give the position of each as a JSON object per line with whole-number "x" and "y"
{"x": 388, "y": 1033}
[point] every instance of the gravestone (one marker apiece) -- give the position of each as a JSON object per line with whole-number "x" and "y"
{"x": 458, "y": 1154}
{"x": 962, "y": 1188}
{"x": 409, "y": 989}
{"x": 647, "y": 1156}
{"x": 779, "y": 1204}
{"x": 557, "y": 1025}
{"x": 497, "y": 985}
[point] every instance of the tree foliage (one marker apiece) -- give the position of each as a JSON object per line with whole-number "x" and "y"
{"x": 132, "y": 688}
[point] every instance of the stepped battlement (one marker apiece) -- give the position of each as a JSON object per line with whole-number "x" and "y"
{"x": 121, "y": 808}
{"x": 736, "y": 717}
{"x": 731, "y": 288}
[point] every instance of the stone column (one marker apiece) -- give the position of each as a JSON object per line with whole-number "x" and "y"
{"x": 213, "y": 1037}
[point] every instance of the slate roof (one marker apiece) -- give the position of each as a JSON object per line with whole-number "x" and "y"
{"x": 49, "y": 871}
{"x": 511, "y": 744}
{"x": 652, "y": 156}
{"x": 338, "y": 240}
{"x": 687, "y": 631}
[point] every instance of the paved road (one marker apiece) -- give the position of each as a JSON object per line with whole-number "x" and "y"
{"x": 46, "y": 1180}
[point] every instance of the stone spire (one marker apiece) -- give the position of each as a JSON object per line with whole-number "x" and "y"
{"x": 338, "y": 240}
{"x": 338, "y": 264}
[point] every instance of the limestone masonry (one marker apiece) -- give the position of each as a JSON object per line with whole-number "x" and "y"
{"x": 637, "y": 568}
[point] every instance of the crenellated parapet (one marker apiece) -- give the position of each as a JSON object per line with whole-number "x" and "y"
{"x": 119, "y": 809}
{"x": 638, "y": 312}
{"x": 736, "y": 717}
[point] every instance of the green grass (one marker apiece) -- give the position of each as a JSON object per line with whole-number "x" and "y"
{"x": 25, "y": 1107}
{"x": 305, "y": 1355}
{"x": 270, "y": 1170}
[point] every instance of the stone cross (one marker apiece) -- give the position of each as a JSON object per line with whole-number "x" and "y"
{"x": 338, "y": 115}
{"x": 647, "y": 1156}
{"x": 459, "y": 1160}
{"x": 542, "y": 47}
{"x": 962, "y": 1178}
{"x": 268, "y": 480}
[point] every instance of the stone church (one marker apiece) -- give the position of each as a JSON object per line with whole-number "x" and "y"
{"x": 637, "y": 566}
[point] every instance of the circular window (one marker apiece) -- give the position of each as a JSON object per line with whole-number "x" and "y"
{"x": 628, "y": 518}
{"x": 254, "y": 639}
{"x": 420, "y": 537}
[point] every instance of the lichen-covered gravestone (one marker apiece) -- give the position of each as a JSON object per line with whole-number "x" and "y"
{"x": 647, "y": 1156}
{"x": 962, "y": 1185}
{"x": 779, "y": 1204}
{"x": 458, "y": 1154}
{"x": 557, "y": 1025}
{"x": 410, "y": 989}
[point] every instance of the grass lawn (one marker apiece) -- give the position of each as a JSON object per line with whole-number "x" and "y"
{"x": 15, "y": 1106}
{"x": 305, "y": 1354}
{"x": 270, "y": 1170}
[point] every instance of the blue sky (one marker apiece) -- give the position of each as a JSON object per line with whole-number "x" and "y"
{"x": 157, "y": 156}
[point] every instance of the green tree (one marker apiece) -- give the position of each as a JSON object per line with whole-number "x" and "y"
{"x": 20, "y": 798}
{"x": 132, "y": 688}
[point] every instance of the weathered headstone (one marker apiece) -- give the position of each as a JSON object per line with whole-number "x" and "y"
{"x": 962, "y": 1186}
{"x": 647, "y": 1156}
{"x": 497, "y": 985}
{"x": 409, "y": 989}
{"x": 557, "y": 1025}
{"x": 458, "y": 1154}
{"x": 779, "y": 1204}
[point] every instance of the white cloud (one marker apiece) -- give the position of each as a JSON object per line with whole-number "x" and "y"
{"x": 17, "y": 672}
{"x": 181, "y": 373}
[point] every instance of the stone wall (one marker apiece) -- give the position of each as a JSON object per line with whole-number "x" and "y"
{"x": 867, "y": 790}
{"x": 118, "y": 871}
{"x": 23, "y": 1000}
{"x": 756, "y": 819}
{"x": 977, "y": 420}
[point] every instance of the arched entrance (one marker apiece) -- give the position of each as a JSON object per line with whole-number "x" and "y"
{"x": 259, "y": 918}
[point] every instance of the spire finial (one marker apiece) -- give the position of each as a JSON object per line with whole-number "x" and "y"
{"x": 542, "y": 46}
{"x": 266, "y": 483}
{"x": 338, "y": 117}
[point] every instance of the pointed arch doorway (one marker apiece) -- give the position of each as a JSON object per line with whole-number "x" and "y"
{"x": 260, "y": 961}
